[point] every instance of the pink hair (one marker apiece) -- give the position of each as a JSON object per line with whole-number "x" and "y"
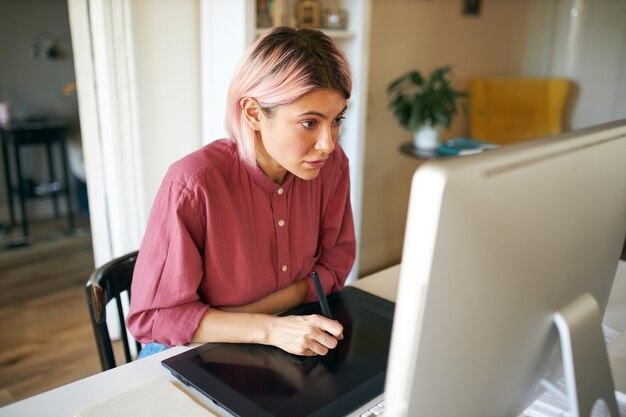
{"x": 279, "y": 68}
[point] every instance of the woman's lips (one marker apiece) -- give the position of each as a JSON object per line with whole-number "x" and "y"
{"x": 316, "y": 164}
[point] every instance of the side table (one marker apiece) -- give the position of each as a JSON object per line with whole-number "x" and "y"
{"x": 411, "y": 150}
{"x": 450, "y": 148}
{"x": 45, "y": 133}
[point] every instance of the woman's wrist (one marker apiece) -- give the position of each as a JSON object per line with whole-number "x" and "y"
{"x": 234, "y": 327}
{"x": 267, "y": 327}
{"x": 251, "y": 323}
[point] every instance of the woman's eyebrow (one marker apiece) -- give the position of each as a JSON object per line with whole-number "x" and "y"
{"x": 342, "y": 111}
{"x": 322, "y": 115}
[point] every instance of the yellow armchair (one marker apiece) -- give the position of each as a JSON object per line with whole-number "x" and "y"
{"x": 507, "y": 110}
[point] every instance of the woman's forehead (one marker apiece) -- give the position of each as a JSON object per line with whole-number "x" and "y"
{"x": 327, "y": 102}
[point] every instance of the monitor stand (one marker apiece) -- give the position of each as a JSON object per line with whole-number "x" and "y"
{"x": 585, "y": 361}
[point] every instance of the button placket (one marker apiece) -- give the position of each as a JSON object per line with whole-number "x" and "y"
{"x": 279, "y": 211}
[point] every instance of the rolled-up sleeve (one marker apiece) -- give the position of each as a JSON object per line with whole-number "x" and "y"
{"x": 165, "y": 305}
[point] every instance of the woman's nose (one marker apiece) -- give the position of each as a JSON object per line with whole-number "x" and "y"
{"x": 325, "y": 142}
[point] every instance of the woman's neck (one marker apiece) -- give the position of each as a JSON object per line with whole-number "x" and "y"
{"x": 269, "y": 167}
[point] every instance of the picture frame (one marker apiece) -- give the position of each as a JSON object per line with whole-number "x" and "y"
{"x": 472, "y": 7}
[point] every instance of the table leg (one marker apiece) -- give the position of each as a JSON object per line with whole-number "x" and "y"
{"x": 52, "y": 179}
{"x": 20, "y": 188}
{"x": 70, "y": 216}
{"x": 7, "y": 178}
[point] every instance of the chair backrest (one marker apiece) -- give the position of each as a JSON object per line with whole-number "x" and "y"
{"x": 507, "y": 110}
{"x": 105, "y": 284}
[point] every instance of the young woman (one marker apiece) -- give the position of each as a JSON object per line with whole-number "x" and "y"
{"x": 238, "y": 226}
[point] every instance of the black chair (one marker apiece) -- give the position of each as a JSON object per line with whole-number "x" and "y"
{"x": 106, "y": 283}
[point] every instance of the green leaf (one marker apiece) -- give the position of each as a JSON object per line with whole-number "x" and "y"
{"x": 414, "y": 99}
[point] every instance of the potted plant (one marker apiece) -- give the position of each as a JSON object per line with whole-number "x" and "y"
{"x": 423, "y": 105}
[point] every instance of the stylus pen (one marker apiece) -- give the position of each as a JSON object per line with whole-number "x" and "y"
{"x": 321, "y": 296}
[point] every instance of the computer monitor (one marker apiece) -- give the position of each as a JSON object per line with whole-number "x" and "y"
{"x": 509, "y": 255}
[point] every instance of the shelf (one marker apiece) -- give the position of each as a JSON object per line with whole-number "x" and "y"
{"x": 332, "y": 33}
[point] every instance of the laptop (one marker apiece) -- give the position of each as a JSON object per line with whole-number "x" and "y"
{"x": 265, "y": 381}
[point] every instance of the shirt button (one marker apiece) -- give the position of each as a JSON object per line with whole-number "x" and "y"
{"x": 281, "y": 223}
{"x": 280, "y": 191}
{"x": 284, "y": 268}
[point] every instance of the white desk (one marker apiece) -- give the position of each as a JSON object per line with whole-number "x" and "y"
{"x": 65, "y": 400}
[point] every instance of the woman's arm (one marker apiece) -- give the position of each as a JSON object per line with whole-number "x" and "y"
{"x": 165, "y": 305}
{"x": 277, "y": 302}
{"x": 301, "y": 335}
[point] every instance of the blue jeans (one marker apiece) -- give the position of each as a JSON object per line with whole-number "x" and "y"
{"x": 151, "y": 349}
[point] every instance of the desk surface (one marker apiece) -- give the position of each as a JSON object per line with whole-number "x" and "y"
{"x": 65, "y": 400}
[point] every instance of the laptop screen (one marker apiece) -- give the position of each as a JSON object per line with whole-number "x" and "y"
{"x": 249, "y": 379}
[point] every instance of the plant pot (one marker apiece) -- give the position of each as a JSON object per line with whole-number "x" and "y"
{"x": 427, "y": 137}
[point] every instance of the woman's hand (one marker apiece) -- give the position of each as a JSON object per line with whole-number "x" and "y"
{"x": 255, "y": 323}
{"x": 305, "y": 335}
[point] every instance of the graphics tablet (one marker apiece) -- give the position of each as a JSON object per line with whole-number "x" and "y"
{"x": 265, "y": 381}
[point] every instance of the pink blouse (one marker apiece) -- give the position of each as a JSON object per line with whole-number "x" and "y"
{"x": 222, "y": 234}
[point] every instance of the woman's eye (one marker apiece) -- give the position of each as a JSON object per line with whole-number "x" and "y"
{"x": 309, "y": 124}
{"x": 339, "y": 120}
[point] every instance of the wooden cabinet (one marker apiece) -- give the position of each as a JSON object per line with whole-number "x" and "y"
{"x": 229, "y": 27}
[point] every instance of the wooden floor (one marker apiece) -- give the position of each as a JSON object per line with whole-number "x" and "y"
{"x": 45, "y": 337}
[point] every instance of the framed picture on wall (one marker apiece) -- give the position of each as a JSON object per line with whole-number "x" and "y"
{"x": 471, "y": 7}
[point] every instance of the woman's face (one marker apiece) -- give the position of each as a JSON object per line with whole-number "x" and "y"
{"x": 298, "y": 137}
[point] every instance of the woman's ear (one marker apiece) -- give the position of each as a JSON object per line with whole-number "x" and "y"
{"x": 251, "y": 110}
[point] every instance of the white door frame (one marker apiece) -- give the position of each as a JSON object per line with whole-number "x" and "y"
{"x": 105, "y": 76}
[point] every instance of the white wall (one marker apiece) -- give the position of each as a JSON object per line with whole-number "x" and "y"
{"x": 167, "y": 54}
{"x": 220, "y": 57}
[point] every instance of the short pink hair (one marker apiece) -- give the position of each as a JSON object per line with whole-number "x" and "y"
{"x": 279, "y": 68}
